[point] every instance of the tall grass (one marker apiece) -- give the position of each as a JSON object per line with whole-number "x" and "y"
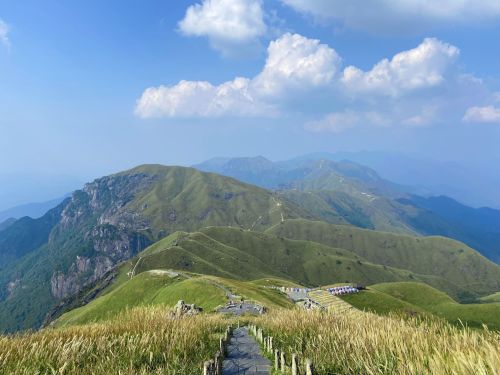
{"x": 147, "y": 340}
{"x": 139, "y": 341}
{"x": 364, "y": 343}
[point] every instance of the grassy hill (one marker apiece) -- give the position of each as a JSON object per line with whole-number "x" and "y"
{"x": 342, "y": 191}
{"x": 420, "y": 298}
{"x": 495, "y": 297}
{"x": 110, "y": 220}
{"x": 186, "y": 199}
{"x": 165, "y": 288}
{"x": 246, "y": 255}
{"x": 434, "y": 256}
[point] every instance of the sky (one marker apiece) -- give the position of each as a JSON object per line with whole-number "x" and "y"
{"x": 92, "y": 87}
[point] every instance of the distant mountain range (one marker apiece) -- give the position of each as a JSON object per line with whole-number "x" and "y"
{"x": 17, "y": 189}
{"x": 346, "y": 192}
{"x": 33, "y": 210}
{"x": 472, "y": 184}
{"x": 211, "y": 223}
{"x": 110, "y": 220}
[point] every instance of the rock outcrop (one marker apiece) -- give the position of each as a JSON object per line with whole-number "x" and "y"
{"x": 182, "y": 309}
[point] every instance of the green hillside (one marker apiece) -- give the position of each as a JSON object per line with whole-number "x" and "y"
{"x": 495, "y": 297}
{"x": 245, "y": 255}
{"x": 417, "y": 297}
{"x": 166, "y": 288}
{"x": 112, "y": 219}
{"x": 186, "y": 199}
{"x": 434, "y": 256}
{"x": 22, "y": 236}
{"x": 342, "y": 191}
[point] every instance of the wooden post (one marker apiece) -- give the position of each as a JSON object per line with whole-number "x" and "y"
{"x": 223, "y": 347}
{"x": 206, "y": 368}
{"x": 276, "y": 359}
{"x": 271, "y": 344}
{"x": 295, "y": 370}
{"x": 218, "y": 363}
{"x": 282, "y": 362}
{"x": 309, "y": 367}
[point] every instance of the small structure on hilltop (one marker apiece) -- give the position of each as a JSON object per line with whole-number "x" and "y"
{"x": 182, "y": 308}
{"x": 242, "y": 307}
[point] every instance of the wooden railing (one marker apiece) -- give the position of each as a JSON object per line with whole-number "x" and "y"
{"x": 283, "y": 362}
{"x": 214, "y": 366}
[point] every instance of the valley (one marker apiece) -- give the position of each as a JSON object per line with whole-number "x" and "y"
{"x": 137, "y": 242}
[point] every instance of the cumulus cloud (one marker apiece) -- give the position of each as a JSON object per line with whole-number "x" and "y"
{"x": 414, "y": 88}
{"x": 487, "y": 114}
{"x": 201, "y": 99}
{"x": 396, "y": 16}
{"x": 226, "y": 23}
{"x": 4, "y": 33}
{"x": 421, "y": 67}
{"x": 294, "y": 63}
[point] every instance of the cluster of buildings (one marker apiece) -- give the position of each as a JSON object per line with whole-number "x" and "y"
{"x": 341, "y": 290}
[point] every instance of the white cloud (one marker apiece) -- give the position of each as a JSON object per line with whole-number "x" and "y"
{"x": 4, "y": 33}
{"x": 482, "y": 114}
{"x": 226, "y": 23}
{"x": 201, "y": 99}
{"x": 297, "y": 62}
{"x": 421, "y": 67}
{"x": 396, "y": 16}
{"x": 418, "y": 87}
{"x": 294, "y": 64}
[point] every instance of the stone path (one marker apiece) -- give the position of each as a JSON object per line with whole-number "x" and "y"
{"x": 246, "y": 308}
{"x": 244, "y": 356}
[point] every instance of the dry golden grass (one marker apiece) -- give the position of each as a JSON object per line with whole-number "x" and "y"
{"x": 140, "y": 341}
{"x": 148, "y": 341}
{"x": 364, "y": 343}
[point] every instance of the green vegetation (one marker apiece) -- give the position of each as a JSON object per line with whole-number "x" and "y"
{"x": 417, "y": 299}
{"x": 186, "y": 199}
{"x": 437, "y": 257}
{"x": 137, "y": 341}
{"x": 495, "y": 297}
{"x": 148, "y": 288}
{"x": 149, "y": 202}
{"x": 166, "y": 288}
{"x": 245, "y": 255}
{"x": 22, "y": 236}
{"x": 364, "y": 343}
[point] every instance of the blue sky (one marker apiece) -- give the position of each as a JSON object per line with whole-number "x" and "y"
{"x": 92, "y": 87}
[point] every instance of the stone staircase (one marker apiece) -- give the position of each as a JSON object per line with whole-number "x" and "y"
{"x": 329, "y": 301}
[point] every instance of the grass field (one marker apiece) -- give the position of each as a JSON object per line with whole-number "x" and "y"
{"x": 157, "y": 288}
{"x": 148, "y": 340}
{"x": 495, "y": 297}
{"x": 437, "y": 257}
{"x": 421, "y": 299}
{"x": 138, "y": 341}
{"x": 239, "y": 254}
{"x": 365, "y": 343}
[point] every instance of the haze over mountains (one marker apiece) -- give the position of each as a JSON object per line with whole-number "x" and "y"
{"x": 344, "y": 191}
{"x": 215, "y": 224}
{"x": 473, "y": 184}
